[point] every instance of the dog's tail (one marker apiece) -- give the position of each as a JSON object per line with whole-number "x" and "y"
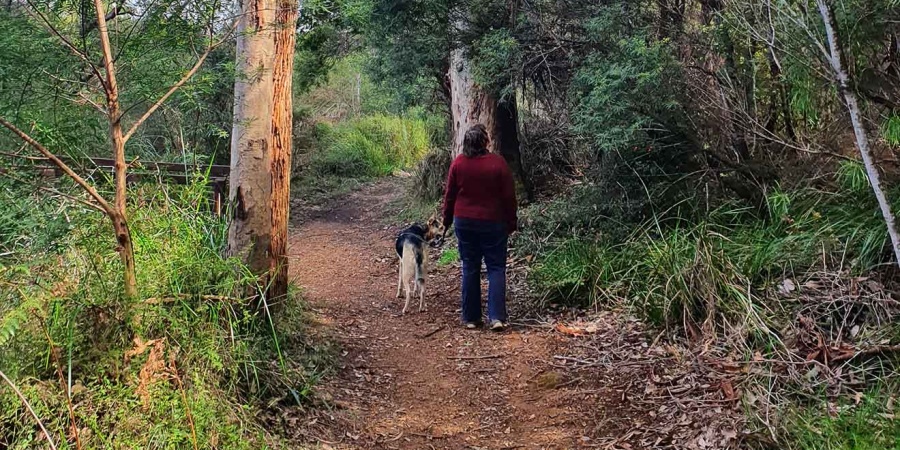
{"x": 413, "y": 256}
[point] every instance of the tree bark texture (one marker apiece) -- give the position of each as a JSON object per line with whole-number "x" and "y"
{"x": 842, "y": 76}
{"x": 282, "y": 131}
{"x": 259, "y": 191}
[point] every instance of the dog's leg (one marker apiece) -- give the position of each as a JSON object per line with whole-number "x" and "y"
{"x": 400, "y": 278}
{"x": 406, "y": 304}
{"x": 422, "y": 297}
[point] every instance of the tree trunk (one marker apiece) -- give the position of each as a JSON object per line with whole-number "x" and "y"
{"x": 471, "y": 105}
{"x": 261, "y": 141}
{"x": 120, "y": 218}
{"x": 250, "y": 181}
{"x": 282, "y": 126}
{"x": 836, "y": 59}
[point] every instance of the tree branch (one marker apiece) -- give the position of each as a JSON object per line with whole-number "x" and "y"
{"x": 67, "y": 43}
{"x": 56, "y": 192}
{"x": 30, "y": 409}
{"x": 118, "y": 11}
{"x": 62, "y": 166}
{"x": 176, "y": 86}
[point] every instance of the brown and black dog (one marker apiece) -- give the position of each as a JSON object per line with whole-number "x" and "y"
{"x": 413, "y": 255}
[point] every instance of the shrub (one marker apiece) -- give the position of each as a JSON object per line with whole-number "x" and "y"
{"x": 187, "y": 360}
{"x": 430, "y": 175}
{"x": 370, "y": 146}
{"x": 716, "y": 269}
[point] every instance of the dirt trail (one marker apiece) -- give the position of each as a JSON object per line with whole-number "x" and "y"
{"x": 420, "y": 381}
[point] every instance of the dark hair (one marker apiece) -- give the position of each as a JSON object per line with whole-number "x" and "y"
{"x": 475, "y": 141}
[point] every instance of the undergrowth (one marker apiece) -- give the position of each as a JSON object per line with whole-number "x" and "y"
{"x": 670, "y": 266}
{"x": 344, "y": 155}
{"x": 188, "y": 364}
{"x": 866, "y": 422}
{"x": 789, "y": 288}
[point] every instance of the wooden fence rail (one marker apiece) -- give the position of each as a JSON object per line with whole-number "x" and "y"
{"x": 178, "y": 173}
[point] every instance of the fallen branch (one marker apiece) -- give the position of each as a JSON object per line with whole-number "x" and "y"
{"x": 872, "y": 351}
{"x": 475, "y": 357}
{"x": 432, "y": 332}
{"x": 30, "y": 409}
{"x": 175, "y": 298}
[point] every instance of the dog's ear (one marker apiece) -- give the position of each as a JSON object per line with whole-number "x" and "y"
{"x": 436, "y": 225}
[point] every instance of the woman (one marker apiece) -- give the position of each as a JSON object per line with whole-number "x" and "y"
{"x": 480, "y": 202}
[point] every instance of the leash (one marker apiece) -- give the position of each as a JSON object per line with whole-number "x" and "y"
{"x": 437, "y": 242}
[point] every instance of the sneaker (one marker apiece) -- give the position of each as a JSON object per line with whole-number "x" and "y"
{"x": 497, "y": 325}
{"x": 472, "y": 325}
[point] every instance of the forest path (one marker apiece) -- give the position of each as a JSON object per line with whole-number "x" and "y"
{"x": 421, "y": 381}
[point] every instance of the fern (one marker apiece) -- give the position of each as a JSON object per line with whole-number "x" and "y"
{"x": 13, "y": 321}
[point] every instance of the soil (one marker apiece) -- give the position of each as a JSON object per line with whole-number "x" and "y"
{"x": 422, "y": 381}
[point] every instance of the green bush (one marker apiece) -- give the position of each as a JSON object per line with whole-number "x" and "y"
{"x": 369, "y": 147}
{"x": 27, "y": 222}
{"x": 718, "y": 268}
{"x": 189, "y": 357}
{"x": 496, "y": 58}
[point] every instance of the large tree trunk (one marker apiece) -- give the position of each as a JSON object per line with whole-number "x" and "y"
{"x": 250, "y": 182}
{"x": 838, "y": 66}
{"x": 261, "y": 141}
{"x": 471, "y": 105}
{"x": 282, "y": 126}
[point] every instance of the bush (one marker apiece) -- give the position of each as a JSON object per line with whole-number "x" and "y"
{"x": 430, "y": 176}
{"x": 188, "y": 360}
{"x": 368, "y": 147}
{"x": 716, "y": 269}
{"x": 27, "y": 222}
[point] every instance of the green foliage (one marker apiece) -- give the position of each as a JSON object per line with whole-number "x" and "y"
{"x": 188, "y": 357}
{"x": 48, "y": 90}
{"x": 852, "y": 178}
{"x": 409, "y": 42}
{"x": 868, "y": 424}
{"x": 27, "y": 222}
{"x": 891, "y": 130}
{"x": 448, "y": 257}
{"x": 668, "y": 267}
{"x": 626, "y": 98}
{"x": 370, "y": 146}
{"x": 314, "y": 57}
{"x": 496, "y": 59}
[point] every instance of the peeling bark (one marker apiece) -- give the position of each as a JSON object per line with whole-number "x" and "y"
{"x": 282, "y": 126}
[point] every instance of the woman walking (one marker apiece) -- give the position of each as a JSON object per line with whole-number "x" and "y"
{"x": 480, "y": 202}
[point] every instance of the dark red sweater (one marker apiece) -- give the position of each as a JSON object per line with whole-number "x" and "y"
{"x": 481, "y": 188}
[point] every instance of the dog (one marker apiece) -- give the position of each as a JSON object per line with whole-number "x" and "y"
{"x": 413, "y": 255}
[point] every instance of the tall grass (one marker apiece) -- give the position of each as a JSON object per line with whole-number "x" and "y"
{"x": 187, "y": 362}
{"x": 717, "y": 269}
{"x": 369, "y": 146}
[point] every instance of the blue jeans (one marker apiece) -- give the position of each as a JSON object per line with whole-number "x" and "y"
{"x": 479, "y": 240}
